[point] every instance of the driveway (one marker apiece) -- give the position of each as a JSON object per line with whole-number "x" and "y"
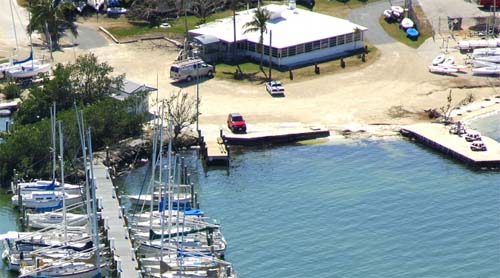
{"x": 88, "y": 38}
{"x": 368, "y": 16}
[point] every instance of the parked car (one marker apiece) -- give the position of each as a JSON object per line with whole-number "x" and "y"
{"x": 472, "y": 136}
{"x": 478, "y": 146}
{"x": 190, "y": 68}
{"x": 275, "y": 88}
{"x": 236, "y": 123}
{"x": 116, "y": 11}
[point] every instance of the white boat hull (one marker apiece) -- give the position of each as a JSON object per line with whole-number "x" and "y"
{"x": 28, "y": 71}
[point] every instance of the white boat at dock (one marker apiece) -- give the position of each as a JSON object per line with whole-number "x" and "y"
{"x": 60, "y": 269}
{"x": 178, "y": 200}
{"x": 45, "y": 199}
{"x": 49, "y": 219}
{"x": 45, "y": 185}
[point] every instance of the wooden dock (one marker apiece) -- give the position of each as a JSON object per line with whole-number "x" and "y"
{"x": 276, "y": 136}
{"x": 438, "y": 137}
{"x": 214, "y": 151}
{"x": 118, "y": 236}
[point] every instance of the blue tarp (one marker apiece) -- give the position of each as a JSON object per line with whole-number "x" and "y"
{"x": 412, "y": 32}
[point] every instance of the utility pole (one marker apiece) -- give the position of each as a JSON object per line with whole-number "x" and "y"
{"x": 270, "y": 52}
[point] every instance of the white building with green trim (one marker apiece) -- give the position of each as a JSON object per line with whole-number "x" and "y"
{"x": 299, "y": 37}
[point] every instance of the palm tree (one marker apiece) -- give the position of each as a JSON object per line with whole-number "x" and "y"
{"x": 52, "y": 18}
{"x": 259, "y": 23}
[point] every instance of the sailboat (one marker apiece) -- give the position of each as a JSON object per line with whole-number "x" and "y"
{"x": 25, "y": 68}
{"x": 74, "y": 266}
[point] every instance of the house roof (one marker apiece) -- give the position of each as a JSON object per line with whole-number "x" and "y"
{"x": 289, "y": 27}
{"x": 130, "y": 87}
{"x": 206, "y": 39}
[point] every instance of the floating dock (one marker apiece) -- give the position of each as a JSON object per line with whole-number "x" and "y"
{"x": 438, "y": 137}
{"x": 117, "y": 233}
{"x": 276, "y": 136}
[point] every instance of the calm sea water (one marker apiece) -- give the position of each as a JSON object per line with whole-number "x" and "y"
{"x": 348, "y": 209}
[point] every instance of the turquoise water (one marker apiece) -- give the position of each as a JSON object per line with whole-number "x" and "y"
{"x": 356, "y": 209}
{"x": 8, "y": 220}
{"x": 362, "y": 209}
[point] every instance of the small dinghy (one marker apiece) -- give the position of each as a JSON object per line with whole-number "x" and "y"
{"x": 450, "y": 60}
{"x": 412, "y": 33}
{"x": 407, "y": 23}
{"x": 442, "y": 69}
{"x": 439, "y": 59}
{"x": 397, "y": 9}
{"x": 387, "y": 14}
{"x": 486, "y": 71}
{"x": 491, "y": 59}
{"x": 483, "y": 64}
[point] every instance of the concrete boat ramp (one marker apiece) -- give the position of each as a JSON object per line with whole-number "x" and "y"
{"x": 214, "y": 147}
{"x": 438, "y": 137}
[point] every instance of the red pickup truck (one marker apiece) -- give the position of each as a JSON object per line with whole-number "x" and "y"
{"x": 488, "y": 3}
{"x": 236, "y": 123}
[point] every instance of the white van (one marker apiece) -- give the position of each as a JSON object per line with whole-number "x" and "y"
{"x": 189, "y": 69}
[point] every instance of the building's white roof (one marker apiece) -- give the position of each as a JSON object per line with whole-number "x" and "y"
{"x": 289, "y": 27}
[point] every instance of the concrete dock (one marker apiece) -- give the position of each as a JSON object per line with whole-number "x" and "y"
{"x": 438, "y": 137}
{"x": 114, "y": 223}
{"x": 276, "y": 136}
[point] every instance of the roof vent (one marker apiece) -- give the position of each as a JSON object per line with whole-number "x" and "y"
{"x": 291, "y": 4}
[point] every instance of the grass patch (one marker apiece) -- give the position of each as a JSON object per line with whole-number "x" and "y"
{"x": 393, "y": 30}
{"x": 339, "y": 8}
{"x": 250, "y": 71}
{"x": 122, "y": 28}
{"x": 23, "y": 3}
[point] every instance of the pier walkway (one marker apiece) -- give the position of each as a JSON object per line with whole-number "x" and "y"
{"x": 438, "y": 137}
{"x": 114, "y": 222}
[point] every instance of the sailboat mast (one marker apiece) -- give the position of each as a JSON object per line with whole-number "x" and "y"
{"x": 14, "y": 25}
{"x": 61, "y": 159}
{"x": 81, "y": 131}
{"x": 53, "y": 126}
{"x": 94, "y": 205}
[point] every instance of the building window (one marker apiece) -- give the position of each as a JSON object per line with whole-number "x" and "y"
{"x": 357, "y": 35}
{"x": 324, "y": 43}
{"x": 251, "y": 46}
{"x": 266, "y": 50}
{"x": 274, "y": 52}
{"x": 309, "y": 46}
{"x": 348, "y": 38}
{"x": 300, "y": 49}
{"x": 291, "y": 51}
{"x": 316, "y": 45}
{"x": 284, "y": 52}
{"x": 340, "y": 40}
{"x": 333, "y": 41}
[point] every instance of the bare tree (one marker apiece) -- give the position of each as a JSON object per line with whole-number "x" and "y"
{"x": 181, "y": 111}
{"x": 449, "y": 107}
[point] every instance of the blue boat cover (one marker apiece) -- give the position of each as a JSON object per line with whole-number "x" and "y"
{"x": 412, "y": 32}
